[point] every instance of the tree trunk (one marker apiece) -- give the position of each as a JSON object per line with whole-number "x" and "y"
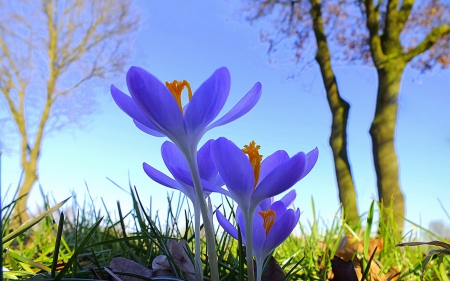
{"x": 339, "y": 111}
{"x": 338, "y": 143}
{"x": 30, "y": 177}
{"x": 382, "y": 132}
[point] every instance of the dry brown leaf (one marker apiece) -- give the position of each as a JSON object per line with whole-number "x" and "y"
{"x": 273, "y": 271}
{"x": 342, "y": 270}
{"x": 349, "y": 247}
{"x": 375, "y": 272}
{"x": 129, "y": 266}
{"x": 161, "y": 265}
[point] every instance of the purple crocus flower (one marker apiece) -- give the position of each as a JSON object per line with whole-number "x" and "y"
{"x": 271, "y": 226}
{"x": 157, "y": 110}
{"x": 177, "y": 165}
{"x": 250, "y": 181}
{"x": 278, "y": 172}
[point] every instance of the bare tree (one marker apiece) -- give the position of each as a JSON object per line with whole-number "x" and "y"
{"x": 48, "y": 50}
{"x": 439, "y": 228}
{"x": 389, "y": 35}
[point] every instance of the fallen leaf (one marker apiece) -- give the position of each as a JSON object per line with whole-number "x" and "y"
{"x": 273, "y": 271}
{"x": 342, "y": 270}
{"x": 375, "y": 272}
{"x": 129, "y": 266}
{"x": 349, "y": 247}
{"x": 178, "y": 251}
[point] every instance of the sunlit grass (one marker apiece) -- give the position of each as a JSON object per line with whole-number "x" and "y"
{"x": 71, "y": 241}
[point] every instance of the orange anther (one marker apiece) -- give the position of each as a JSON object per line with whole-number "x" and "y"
{"x": 255, "y": 159}
{"x": 269, "y": 219}
{"x": 176, "y": 87}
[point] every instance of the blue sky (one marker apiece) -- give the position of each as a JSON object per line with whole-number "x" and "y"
{"x": 189, "y": 40}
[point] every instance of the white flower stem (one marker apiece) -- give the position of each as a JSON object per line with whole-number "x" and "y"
{"x": 259, "y": 268}
{"x": 209, "y": 231}
{"x": 248, "y": 221}
{"x": 198, "y": 252}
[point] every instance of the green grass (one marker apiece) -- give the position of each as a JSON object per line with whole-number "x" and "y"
{"x": 80, "y": 242}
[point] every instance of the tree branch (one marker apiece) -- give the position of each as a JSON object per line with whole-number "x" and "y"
{"x": 390, "y": 23}
{"x": 435, "y": 34}
{"x": 372, "y": 15}
{"x": 404, "y": 12}
{"x": 12, "y": 76}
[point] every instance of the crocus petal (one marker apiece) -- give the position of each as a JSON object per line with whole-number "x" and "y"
{"x": 289, "y": 198}
{"x": 227, "y": 226}
{"x": 311, "y": 159}
{"x": 211, "y": 187}
{"x": 271, "y": 162}
{"x": 172, "y": 156}
{"x": 281, "y": 230}
{"x": 266, "y": 203}
{"x": 127, "y": 104}
{"x": 241, "y": 108}
{"x": 147, "y": 130}
{"x": 278, "y": 207}
{"x": 160, "y": 177}
{"x": 281, "y": 178}
{"x": 240, "y": 222}
{"x": 163, "y": 179}
{"x": 206, "y": 167}
{"x": 207, "y": 102}
{"x": 259, "y": 235}
{"x": 156, "y": 102}
{"x": 185, "y": 177}
{"x": 218, "y": 181}
{"x": 235, "y": 170}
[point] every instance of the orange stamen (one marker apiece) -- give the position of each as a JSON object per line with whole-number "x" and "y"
{"x": 269, "y": 219}
{"x": 255, "y": 159}
{"x": 176, "y": 87}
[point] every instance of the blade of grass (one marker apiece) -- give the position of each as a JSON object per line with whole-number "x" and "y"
{"x": 364, "y": 265}
{"x": 57, "y": 244}
{"x": 124, "y": 233}
{"x": 159, "y": 237}
{"x": 18, "y": 257}
{"x": 368, "y": 229}
{"x": 77, "y": 226}
{"x": 80, "y": 248}
{"x": 434, "y": 243}
{"x": 445, "y": 211}
{"x": 443, "y": 272}
{"x": 96, "y": 262}
{"x": 34, "y": 221}
{"x": 241, "y": 255}
{"x": 123, "y": 189}
{"x": 291, "y": 271}
{"x": 366, "y": 270}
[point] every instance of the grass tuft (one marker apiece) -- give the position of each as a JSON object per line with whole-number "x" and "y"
{"x": 86, "y": 238}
